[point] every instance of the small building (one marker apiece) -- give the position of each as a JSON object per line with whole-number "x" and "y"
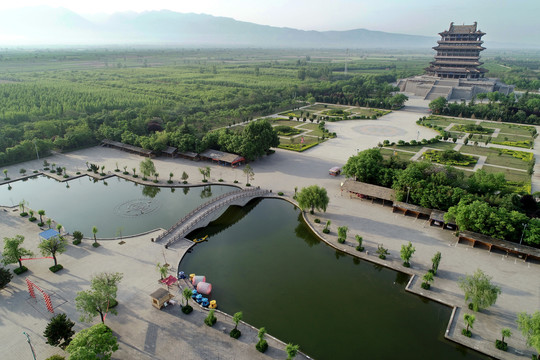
{"x": 160, "y": 297}
{"x": 335, "y": 171}
{"x": 437, "y": 219}
{"x": 47, "y": 234}
{"x": 126, "y": 147}
{"x": 410, "y": 209}
{"x": 222, "y": 158}
{"x": 190, "y": 155}
{"x": 480, "y": 240}
{"x": 371, "y": 192}
{"x": 169, "y": 151}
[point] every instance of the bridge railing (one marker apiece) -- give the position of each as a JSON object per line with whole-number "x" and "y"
{"x": 183, "y": 226}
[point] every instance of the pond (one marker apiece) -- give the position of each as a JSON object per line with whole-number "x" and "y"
{"x": 272, "y": 268}
{"x": 114, "y": 205}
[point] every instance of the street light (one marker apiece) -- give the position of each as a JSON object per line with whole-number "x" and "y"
{"x": 408, "y": 190}
{"x": 522, "y": 233}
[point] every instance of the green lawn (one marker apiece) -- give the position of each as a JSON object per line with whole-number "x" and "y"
{"x": 386, "y": 153}
{"x": 442, "y": 145}
{"x": 314, "y": 127}
{"x": 319, "y": 107}
{"x": 494, "y": 158}
{"x": 510, "y": 175}
{"x": 286, "y": 123}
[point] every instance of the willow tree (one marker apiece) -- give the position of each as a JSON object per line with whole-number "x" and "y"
{"x": 313, "y": 197}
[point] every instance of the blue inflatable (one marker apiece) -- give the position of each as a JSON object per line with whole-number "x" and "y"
{"x": 181, "y": 275}
{"x": 194, "y": 293}
{"x": 198, "y": 298}
{"x": 205, "y": 302}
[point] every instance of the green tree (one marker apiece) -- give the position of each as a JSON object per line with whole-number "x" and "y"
{"x": 205, "y": 172}
{"x": 59, "y": 331}
{"x": 78, "y": 236}
{"x": 532, "y": 232}
{"x": 406, "y": 253}
{"x": 96, "y": 342}
{"x": 235, "y": 333}
{"x": 95, "y": 231}
{"x": 5, "y": 174}
{"x": 22, "y": 205}
{"x": 52, "y": 246}
{"x": 100, "y": 298}
{"x": 184, "y": 177}
{"x": 439, "y": 105}
{"x": 382, "y": 251}
{"x": 469, "y": 320}
{"x": 257, "y": 138}
{"x": 313, "y": 197}
{"x": 359, "y": 247}
{"x": 13, "y": 252}
{"x": 342, "y": 233}
{"x": 435, "y": 261}
{"x": 41, "y": 213}
{"x": 147, "y": 167}
{"x": 186, "y": 293}
{"x": 49, "y": 222}
{"x": 162, "y": 269}
{"x": 479, "y": 290}
{"x": 262, "y": 344}
{"x": 428, "y": 278}
{"x": 367, "y": 166}
{"x": 248, "y": 171}
{"x": 501, "y": 344}
{"x": 529, "y": 325}
{"x": 292, "y": 351}
{"x": 211, "y": 319}
{"x": 5, "y": 277}
{"x": 170, "y": 178}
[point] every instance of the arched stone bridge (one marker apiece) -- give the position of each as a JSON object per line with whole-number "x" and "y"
{"x": 205, "y": 213}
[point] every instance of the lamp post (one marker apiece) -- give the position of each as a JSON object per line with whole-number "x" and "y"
{"x": 523, "y": 232}
{"x": 30, "y": 344}
{"x": 408, "y": 190}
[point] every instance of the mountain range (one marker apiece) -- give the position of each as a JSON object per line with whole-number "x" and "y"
{"x": 47, "y": 26}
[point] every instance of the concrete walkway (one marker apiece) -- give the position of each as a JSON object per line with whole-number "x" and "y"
{"x": 145, "y": 332}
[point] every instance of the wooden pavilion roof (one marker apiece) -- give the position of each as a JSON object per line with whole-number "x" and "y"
{"x": 374, "y": 191}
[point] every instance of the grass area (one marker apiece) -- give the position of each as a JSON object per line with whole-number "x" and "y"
{"x": 319, "y": 107}
{"x": 451, "y": 157}
{"x": 386, "y": 153}
{"x": 286, "y": 123}
{"x": 307, "y": 140}
{"x": 510, "y": 175}
{"x": 442, "y": 145}
{"x": 315, "y": 129}
{"x": 368, "y": 112}
{"x": 510, "y": 128}
{"x": 493, "y": 157}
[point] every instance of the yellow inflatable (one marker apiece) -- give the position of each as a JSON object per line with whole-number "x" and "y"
{"x": 191, "y": 276}
{"x": 213, "y": 304}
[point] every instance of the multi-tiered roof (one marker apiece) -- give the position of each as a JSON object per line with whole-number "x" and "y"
{"x": 458, "y": 53}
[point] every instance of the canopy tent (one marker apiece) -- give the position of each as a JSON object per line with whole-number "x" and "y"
{"x": 170, "y": 280}
{"x": 47, "y": 234}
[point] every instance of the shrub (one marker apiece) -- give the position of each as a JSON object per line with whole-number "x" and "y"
{"x": 326, "y": 231}
{"x": 96, "y": 244}
{"x": 280, "y": 193}
{"x": 77, "y": 235}
{"x": 125, "y": 173}
{"x": 317, "y": 221}
{"x": 382, "y": 252}
{"x": 501, "y": 345}
{"x": 56, "y": 357}
{"x": 76, "y": 242}
{"x": 187, "y": 309}
{"x": 155, "y": 181}
{"x": 235, "y": 333}
{"x": 467, "y": 333}
{"x": 248, "y": 184}
{"x": 20, "y": 270}
{"x": 66, "y": 176}
{"x": 341, "y": 240}
{"x": 40, "y": 224}
{"x": 23, "y": 214}
{"x": 425, "y": 286}
{"x": 78, "y": 173}
{"x": 135, "y": 176}
{"x": 204, "y": 180}
{"x": 220, "y": 180}
{"x": 236, "y": 181}
{"x": 32, "y": 219}
{"x": 5, "y": 277}
{"x": 210, "y": 320}
{"x": 262, "y": 346}
{"x": 56, "y": 268}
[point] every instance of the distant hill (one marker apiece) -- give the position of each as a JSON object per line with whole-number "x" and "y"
{"x": 58, "y": 26}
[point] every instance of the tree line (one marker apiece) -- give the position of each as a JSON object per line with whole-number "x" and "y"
{"x": 483, "y": 203}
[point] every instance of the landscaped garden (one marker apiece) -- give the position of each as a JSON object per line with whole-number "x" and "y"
{"x": 450, "y": 157}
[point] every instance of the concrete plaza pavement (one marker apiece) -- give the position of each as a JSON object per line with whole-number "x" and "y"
{"x": 142, "y": 329}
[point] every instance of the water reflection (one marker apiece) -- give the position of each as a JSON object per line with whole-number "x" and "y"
{"x": 206, "y": 192}
{"x": 151, "y": 191}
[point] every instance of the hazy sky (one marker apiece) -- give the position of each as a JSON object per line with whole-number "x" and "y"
{"x": 503, "y": 20}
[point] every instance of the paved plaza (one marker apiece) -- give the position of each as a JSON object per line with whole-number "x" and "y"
{"x": 146, "y": 333}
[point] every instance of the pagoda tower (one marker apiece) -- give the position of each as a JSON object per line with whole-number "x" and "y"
{"x": 458, "y": 53}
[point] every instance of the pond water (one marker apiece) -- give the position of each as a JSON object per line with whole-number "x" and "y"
{"x": 113, "y": 206}
{"x": 272, "y": 268}
{"x": 263, "y": 260}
